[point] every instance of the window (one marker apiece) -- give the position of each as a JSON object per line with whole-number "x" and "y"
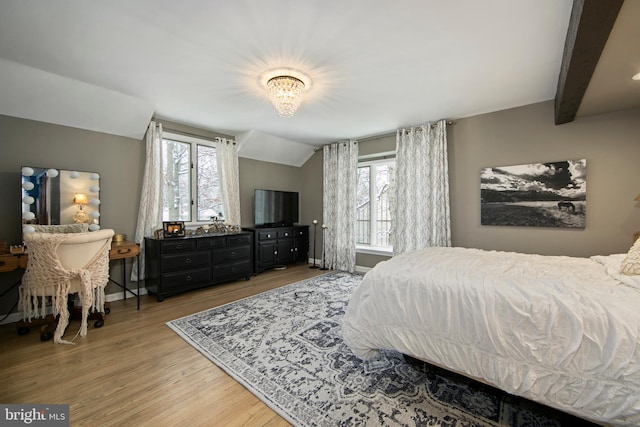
{"x": 190, "y": 187}
{"x": 373, "y": 204}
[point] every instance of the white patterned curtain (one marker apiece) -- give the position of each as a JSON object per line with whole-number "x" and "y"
{"x": 340, "y": 170}
{"x": 150, "y": 210}
{"x": 227, "y": 160}
{"x": 421, "y": 215}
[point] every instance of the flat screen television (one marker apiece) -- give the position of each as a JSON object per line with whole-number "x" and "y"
{"x": 273, "y": 208}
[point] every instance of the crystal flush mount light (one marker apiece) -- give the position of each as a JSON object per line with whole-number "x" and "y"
{"x": 286, "y": 90}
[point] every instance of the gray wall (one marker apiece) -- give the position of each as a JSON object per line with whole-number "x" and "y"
{"x": 269, "y": 176}
{"x": 118, "y": 160}
{"x": 516, "y": 136}
{"x": 528, "y": 135}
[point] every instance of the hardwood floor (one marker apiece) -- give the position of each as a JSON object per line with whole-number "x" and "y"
{"x": 135, "y": 371}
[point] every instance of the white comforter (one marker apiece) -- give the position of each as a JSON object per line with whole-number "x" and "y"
{"x": 558, "y": 330}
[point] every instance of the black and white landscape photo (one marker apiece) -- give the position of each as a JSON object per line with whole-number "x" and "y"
{"x": 535, "y": 195}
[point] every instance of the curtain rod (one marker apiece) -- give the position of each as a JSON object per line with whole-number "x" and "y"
{"x": 181, "y": 132}
{"x": 447, "y": 121}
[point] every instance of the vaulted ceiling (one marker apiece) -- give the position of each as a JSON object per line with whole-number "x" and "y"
{"x": 375, "y": 65}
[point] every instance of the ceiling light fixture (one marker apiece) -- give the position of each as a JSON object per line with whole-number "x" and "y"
{"x": 286, "y": 90}
{"x": 636, "y": 77}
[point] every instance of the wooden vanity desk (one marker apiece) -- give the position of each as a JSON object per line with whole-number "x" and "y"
{"x": 119, "y": 250}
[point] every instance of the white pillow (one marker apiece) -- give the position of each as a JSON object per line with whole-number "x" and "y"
{"x": 631, "y": 263}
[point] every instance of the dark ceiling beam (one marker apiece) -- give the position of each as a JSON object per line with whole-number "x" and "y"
{"x": 589, "y": 27}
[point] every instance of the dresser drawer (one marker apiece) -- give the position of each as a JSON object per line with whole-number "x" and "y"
{"x": 211, "y": 242}
{"x": 239, "y": 240}
{"x": 8, "y": 262}
{"x": 186, "y": 278}
{"x": 267, "y": 235}
{"x": 232, "y": 271}
{"x": 120, "y": 250}
{"x": 180, "y": 261}
{"x": 285, "y": 233}
{"x": 178, "y": 245}
{"x": 231, "y": 254}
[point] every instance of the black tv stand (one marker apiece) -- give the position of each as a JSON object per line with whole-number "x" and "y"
{"x": 279, "y": 246}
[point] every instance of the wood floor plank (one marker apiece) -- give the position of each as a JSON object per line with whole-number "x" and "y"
{"x": 135, "y": 371}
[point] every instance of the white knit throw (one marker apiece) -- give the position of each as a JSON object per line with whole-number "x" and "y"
{"x": 45, "y": 276}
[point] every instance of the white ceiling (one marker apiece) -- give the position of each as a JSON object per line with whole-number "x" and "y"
{"x": 376, "y": 65}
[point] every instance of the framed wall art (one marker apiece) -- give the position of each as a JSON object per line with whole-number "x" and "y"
{"x": 535, "y": 195}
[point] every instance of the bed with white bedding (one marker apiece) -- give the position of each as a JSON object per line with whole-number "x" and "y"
{"x": 561, "y": 331}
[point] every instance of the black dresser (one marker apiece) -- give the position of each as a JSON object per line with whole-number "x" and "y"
{"x": 180, "y": 264}
{"x": 279, "y": 246}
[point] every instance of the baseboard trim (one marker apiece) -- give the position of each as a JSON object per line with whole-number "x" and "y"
{"x": 116, "y": 296}
{"x": 361, "y": 269}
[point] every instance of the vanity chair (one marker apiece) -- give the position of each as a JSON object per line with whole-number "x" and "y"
{"x": 63, "y": 260}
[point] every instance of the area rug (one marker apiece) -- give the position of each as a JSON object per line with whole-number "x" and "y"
{"x": 285, "y": 346}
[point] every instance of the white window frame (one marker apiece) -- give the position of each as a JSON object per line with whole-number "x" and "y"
{"x": 374, "y": 160}
{"x": 193, "y": 176}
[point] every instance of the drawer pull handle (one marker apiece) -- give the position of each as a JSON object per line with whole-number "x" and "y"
{"x": 188, "y": 260}
{"x": 233, "y": 254}
{"x": 188, "y": 278}
{"x": 268, "y": 236}
{"x": 1, "y": 263}
{"x": 122, "y": 252}
{"x": 275, "y": 252}
{"x": 178, "y": 246}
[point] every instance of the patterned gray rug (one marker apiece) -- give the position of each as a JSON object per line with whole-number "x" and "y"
{"x": 285, "y": 346}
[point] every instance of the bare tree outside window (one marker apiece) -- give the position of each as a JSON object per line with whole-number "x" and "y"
{"x": 209, "y": 198}
{"x": 373, "y": 208}
{"x": 187, "y": 196}
{"x": 176, "y": 186}
{"x": 363, "y": 215}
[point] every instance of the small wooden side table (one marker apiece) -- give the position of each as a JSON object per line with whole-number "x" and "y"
{"x": 122, "y": 250}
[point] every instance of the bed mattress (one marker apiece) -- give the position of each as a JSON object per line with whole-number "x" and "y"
{"x": 562, "y": 331}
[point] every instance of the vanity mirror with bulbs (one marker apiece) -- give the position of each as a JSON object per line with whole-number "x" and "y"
{"x": 58, "y": 196}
